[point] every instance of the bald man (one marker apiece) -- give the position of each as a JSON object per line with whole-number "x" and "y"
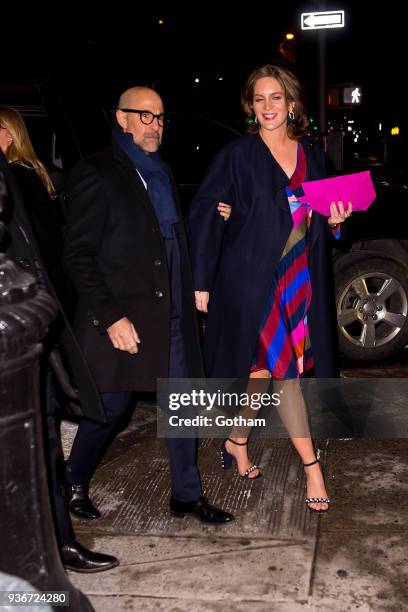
{"x": 126, "y": 253}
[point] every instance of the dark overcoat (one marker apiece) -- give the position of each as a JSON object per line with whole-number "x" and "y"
{"x": 235, "y": 260}
{"x": 34, "y": 243}
{"x": 116, "y": 257}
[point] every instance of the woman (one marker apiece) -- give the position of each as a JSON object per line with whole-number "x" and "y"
{"x": 36, "y": 243}
{"x": 267, "y": 271}
{"x": 37, "y": 190}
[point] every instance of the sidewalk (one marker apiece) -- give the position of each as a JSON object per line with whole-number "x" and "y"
{"x": 275, "y": 556}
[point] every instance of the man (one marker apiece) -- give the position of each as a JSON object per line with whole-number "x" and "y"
{"x": 25, "y": 252}
{"x": 126, "y": 252}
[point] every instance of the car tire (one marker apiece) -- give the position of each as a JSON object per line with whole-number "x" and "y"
{"x": 372, "y": 307}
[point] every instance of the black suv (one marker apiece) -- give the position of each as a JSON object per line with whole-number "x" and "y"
{"x": 370, "y": 265}
{"x": 371, "y": 275}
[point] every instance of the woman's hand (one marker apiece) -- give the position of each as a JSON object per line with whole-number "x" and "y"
{"x": 201, "y": 300}
{"x": 224, "y": 210}
{"x": 338, "y": 214}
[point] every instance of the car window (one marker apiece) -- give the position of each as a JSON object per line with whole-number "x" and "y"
{"x": 190, "y": 143}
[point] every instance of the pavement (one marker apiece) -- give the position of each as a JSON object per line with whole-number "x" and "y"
{"x": 276, "y": 555}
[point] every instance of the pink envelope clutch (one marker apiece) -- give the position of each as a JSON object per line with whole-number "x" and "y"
{"x": 356, "y": 188}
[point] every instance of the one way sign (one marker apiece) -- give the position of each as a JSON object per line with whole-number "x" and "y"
{"x": 327, "y": 19}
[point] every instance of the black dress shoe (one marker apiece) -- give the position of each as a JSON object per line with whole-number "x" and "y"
{"x": 200, "y": 509}
{"x": 77, "y": 558}
{"x": 79, "y": 502}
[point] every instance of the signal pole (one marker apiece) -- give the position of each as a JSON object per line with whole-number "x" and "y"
{"x": 322, "y": 80}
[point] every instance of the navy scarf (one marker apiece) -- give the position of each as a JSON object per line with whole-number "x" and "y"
{"x": 156, "y": 175}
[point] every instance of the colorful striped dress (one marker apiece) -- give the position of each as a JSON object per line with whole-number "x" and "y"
{"x": 283, "y": 344}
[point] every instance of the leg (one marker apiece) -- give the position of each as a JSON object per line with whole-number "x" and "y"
{"x": 236, "y": 445}
{"x": 186, "y": 487}
{"x": 185, "y": 477}
{"x": 93, "y": 438}
{"x": 293, "y": 413}
{"x": 74, "y": 556}
{"x": 90, "y": 442}
{"x": 63, "y": 526}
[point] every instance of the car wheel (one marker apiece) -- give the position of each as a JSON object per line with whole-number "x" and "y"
{"x": 372, "y": 308}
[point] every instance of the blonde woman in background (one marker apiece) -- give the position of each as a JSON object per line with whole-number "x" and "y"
{"x": 34, "y": 230}
{"x": 38, "y": 192}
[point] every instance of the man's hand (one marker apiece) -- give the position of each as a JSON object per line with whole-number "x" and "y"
{"x": 124, "y": 336}
{"x": 201, "y": 300}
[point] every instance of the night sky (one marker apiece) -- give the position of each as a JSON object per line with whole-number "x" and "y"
{"x": 125, "y": 45}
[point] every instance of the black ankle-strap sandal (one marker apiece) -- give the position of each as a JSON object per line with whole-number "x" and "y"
{"x": 227, "y": 460}
{"x": 316, "y": 500}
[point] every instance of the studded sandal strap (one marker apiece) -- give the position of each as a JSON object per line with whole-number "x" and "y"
{"x": 251, "y": 469}
{"x": 317, "y": 500}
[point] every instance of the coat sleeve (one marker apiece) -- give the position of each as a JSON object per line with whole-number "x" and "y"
{"x": 333, "y": 234}
{"x": 87, "y": 217}
{"x": 206, "y": 226}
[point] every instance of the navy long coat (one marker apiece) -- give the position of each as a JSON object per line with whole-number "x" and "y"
{"x": 235, "y": 260}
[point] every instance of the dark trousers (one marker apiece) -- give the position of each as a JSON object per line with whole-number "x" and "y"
{"x": 63, "y": 526}
{"x": 92, "y": 438}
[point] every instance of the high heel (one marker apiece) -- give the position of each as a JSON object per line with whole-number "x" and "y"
{"x": 227, "y": 460}
{"x": 316, "y": 500}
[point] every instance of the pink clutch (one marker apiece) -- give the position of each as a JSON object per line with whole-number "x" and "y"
{"x": 356, "y": 188}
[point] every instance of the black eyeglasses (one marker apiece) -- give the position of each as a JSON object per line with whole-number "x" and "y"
{"x": 146, "y": 117}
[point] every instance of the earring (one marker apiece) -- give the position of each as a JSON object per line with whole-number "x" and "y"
{"x": 291, "y": 115}
{"x": 256, "y": 119}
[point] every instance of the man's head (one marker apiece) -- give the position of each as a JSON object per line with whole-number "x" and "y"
{"x": 146, "y": 135}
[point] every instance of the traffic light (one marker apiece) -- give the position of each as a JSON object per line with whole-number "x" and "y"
{"x": 344, "y": 95}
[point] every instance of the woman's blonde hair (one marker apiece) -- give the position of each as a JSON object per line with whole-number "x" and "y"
{"x": 293, "y": 93}
{"x": 21, "y": 149}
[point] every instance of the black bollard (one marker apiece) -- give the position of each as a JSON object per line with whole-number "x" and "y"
{"x": 28, "y": 545}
